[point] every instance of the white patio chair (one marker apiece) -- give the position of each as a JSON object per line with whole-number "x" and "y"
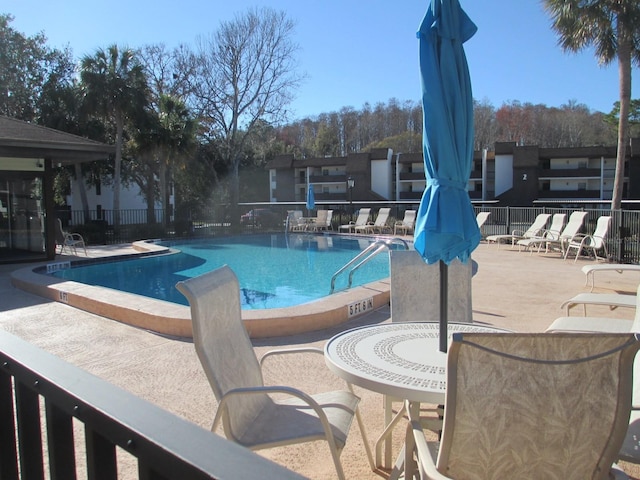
{"x": 595, "y": 242}
{"x": 407, "y": 224}
{"x": 249, "y": 414}
{"x": 569, "y": 423}
{"x": 415, "y": 297}
{"x": 379, "y": 226}
{"x": 533, "y": 231}
{"x": 553, "y": 242}
{"x": 553, "y": 232}
{"x": 482, "y": 218}
{"x": 67, "y": 239}
{"x": 363, "y": 218}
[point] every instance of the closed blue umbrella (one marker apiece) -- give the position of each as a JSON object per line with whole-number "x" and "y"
{"x": 311, "y": 198}
{"x": 446, "y": 226}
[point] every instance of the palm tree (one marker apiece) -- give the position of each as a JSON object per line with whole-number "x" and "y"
{"x": 114, "y": 87}
{"x": 176, "y": 137}
{"x": 610, "y": 27}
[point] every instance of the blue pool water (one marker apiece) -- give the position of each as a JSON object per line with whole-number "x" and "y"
{"x": 273, "y": 270}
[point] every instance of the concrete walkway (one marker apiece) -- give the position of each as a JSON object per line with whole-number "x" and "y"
{"x": 513, "y": 290}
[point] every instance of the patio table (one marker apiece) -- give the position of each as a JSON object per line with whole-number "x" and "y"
{"x": 401, "y": 360}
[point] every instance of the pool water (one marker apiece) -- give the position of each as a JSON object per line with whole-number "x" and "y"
{"x": 273, "y": 270}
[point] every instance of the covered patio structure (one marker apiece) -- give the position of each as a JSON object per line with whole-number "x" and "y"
{"x": 28, "y": 155}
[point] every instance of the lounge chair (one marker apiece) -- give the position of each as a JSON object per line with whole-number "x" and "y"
{"x": 249, "y": 414}
{"x": 598, "y": 324}
{"x": 363, "y": 218}
{"x": 570, "y": 422}
{"x": 482, "y": 218}
{"x": 67, "y": 239}
{"x": 536, "y": 228}
{"x": 407, "y": 224}
{"x": 379, "y": 226}
{"x": 296, "y": 221}
{"x": 590, "y": 271}
{"x": 573, "y": 227}
{"x": 611, "y": 300}
{"x": 594, "y": 242}
{"x": 322, "y": 221}
{"x": 553, "y": 232}
{"x": 325, "y": 222}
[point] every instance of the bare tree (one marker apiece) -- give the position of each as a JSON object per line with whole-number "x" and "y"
{"x": 246, "y": 72}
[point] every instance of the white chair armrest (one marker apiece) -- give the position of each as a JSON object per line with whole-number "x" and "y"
{"x": 285, "y": 351}
{"x": 294, "y": 392}
{"x": 425, "y": 455}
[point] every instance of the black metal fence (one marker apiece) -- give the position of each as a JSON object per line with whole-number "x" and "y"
{"x": 622, "y": 241}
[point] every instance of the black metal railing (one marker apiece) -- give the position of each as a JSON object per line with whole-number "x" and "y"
{"x": 622, "y": 241}
{"x": 37, "y": 387}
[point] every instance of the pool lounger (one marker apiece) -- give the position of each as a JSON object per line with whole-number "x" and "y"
{"x": 591, "y": 324}
{"x": 612, "y": 300}
{"x": 590, "y": 270}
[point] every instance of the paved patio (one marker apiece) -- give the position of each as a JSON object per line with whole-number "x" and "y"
{"x": 513, "y": 290}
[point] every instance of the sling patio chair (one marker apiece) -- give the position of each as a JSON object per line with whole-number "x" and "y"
{"x": 407, "y": 225}
{"x": 249, "y": 414}
{"x": 599, "y": 324}
{"x": 558, "y": 221}
{"x": 533, "y": 231}
{"x": 590, "y": 271}
{"x": 559, "y": 242}
{"x": 296, "y": 221}
{"x": 530, "y": 406}
{"x": 414, "y": 296}
{"x": 482, "y": 218}
{"x": 379, "y": 226}
{"x": 323, "y": 221}
{"x": 363, "y": 218}
{"x": 593, "y": 243}
{"x": 67, "y": 239}
{"x": 611, "y": 300}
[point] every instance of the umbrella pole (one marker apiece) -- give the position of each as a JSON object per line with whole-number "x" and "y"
{"x": 444, "y": 306}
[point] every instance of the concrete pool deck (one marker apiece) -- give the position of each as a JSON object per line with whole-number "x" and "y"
{"x": 512, "y": 290}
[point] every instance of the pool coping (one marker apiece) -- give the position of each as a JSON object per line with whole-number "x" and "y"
{"x": 174, "y": 320}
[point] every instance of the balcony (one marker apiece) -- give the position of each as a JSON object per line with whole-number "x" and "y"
{"x": 410, "y": 195}
{"x": 411, "y": 176}
{"x": 319, "y": 179}
{"x": 575, "y": 194}
{"x": 570, "y": 173}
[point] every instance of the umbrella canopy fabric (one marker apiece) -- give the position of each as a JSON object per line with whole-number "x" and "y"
{"x": 446, "y": 226}
{"x": 311, "y": 198}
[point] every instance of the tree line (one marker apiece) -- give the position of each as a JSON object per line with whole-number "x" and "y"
{"x": 202, "y": 117}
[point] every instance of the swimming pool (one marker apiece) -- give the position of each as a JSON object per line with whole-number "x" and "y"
{"x": 274, "y": 270}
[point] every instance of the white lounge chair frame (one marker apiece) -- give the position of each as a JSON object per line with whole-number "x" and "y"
{"x": 363, "y": 218}
{"x": 595, "y": 242}
{"x": 611, "y": 300}
{"x": 551, "y": 241}
{"x": 536, "y": 229}
{"x": 482, "y": 218}
{"x": 590, "y": 271}
{"x": 380, "y": 224}
{"x": 407, "y": 224}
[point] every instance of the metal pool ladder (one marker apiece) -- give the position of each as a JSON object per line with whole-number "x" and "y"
{"x": 364, "y": 256}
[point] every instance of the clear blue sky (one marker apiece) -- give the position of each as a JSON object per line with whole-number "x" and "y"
{"x": 352, "y": 51}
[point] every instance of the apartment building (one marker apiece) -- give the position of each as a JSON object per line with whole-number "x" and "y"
{"x": 514, "y": 175}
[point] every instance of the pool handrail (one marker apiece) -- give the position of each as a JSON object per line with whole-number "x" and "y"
{"x": 371, "y": 251}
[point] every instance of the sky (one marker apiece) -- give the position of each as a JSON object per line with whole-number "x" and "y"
{"x": 351, "y": 51}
